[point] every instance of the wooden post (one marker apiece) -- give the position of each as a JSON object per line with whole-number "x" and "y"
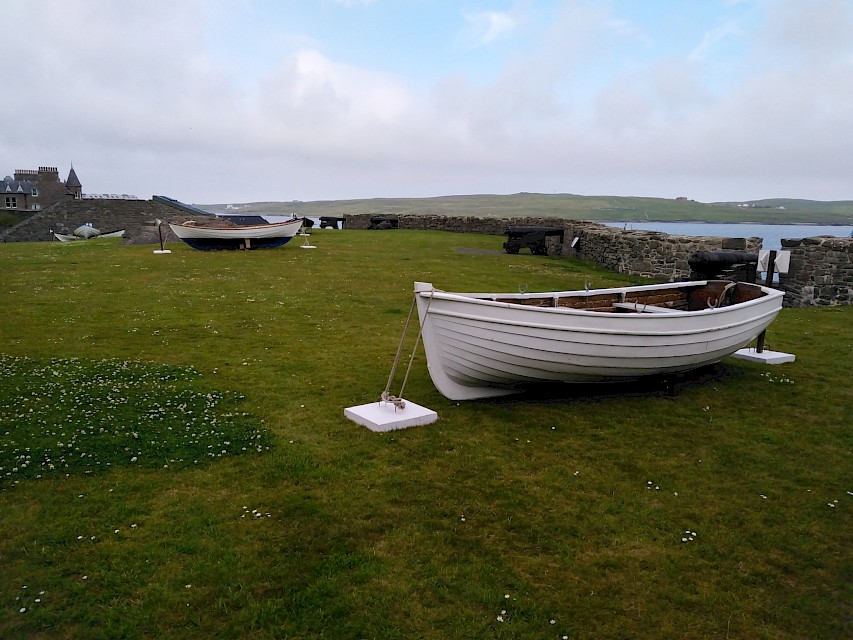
{"x": 768, "y": 282}
{"x": 771, "y": 267}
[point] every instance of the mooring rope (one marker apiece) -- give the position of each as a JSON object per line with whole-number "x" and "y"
{"x": 716, "y": 303}
{"x": 386, "y": 396}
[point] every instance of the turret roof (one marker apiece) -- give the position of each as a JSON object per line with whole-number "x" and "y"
{"x": 73, "y": 180}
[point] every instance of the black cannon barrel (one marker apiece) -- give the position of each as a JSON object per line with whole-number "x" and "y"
{"x": 733, "y": 265}
{"x": 721, "y": 258}
{"x": 330, "y": 221}
{"x": 519, "y": 236}
{"x": 523, "y": 230}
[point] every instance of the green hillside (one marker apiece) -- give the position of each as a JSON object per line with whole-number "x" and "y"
{"x": 610, "y": 208}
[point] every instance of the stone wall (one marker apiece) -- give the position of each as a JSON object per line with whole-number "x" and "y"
{"x": 642, "y": 253}
{"x": 650, "y": 254}
{"x": 107, "y": 215}
{"x": 457, "y": 224}
{"x": 820, "y": 273}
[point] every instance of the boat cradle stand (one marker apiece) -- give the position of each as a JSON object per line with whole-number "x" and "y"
{"x": 386, "y": 416}
{"x": 394, "y": 412}
{"x": 758, "y": 353}
{"x": 752, "y": 354}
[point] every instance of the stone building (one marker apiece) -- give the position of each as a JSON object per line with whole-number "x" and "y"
{"x": 33, "y": 190}
{"x": 19, "y": 195}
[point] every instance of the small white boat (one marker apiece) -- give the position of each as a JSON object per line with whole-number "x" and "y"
{"x": 258, "y": 236}
{"x": 481, "y": 345}
{"x": 87, "y": 232}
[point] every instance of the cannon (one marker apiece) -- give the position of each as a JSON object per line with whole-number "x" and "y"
{"x": 531, "y": 237}
{"x": 331, "y": 222}
{"x": 726, "y": 265}
{"x": 384, "y": 222}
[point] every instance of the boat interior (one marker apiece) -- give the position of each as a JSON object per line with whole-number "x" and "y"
{"x": 693, "y": 297}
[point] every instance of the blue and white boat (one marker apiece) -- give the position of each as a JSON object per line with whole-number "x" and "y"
{"x": 214, "y": 237}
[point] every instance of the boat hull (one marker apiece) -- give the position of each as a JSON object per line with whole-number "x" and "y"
{"x": 65, "y": 237}
{"x": 266, "y": 236}
{"x": 478, "y": 346}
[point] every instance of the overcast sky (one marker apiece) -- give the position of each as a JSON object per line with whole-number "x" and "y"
{"x": 212, "y": 101}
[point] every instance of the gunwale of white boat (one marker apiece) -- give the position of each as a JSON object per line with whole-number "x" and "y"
{"x": 485, "y": 344}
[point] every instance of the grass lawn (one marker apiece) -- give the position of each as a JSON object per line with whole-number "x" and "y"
{"x": 174, "y": 462}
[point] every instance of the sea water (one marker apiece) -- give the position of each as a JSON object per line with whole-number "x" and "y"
{"x": 772, "y": 234}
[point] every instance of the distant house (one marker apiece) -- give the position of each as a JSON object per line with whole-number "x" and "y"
{"x": 682, "y": 198}
{"x": 19, "y": 195}
{"x": 30, "y": 190}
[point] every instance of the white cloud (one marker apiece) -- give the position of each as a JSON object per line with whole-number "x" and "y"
{"x": 629, "y": 30}
{"x": 820, "y": 30}
{"x": 138, "y": 97}
{"x": 713, "y": 39}
{"x": 486, "y": 27}
{"x": 314, "y": 104}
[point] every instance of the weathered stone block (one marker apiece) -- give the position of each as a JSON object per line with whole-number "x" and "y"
{"x": 736, "y": 244}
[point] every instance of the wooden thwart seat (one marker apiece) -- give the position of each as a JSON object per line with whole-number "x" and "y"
{"x": 639, "y": 307}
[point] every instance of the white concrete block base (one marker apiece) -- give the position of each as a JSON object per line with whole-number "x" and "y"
{"x": 161, "y": 251}
{"x": 384, "y": 416}
{"x": 767, "y": 357}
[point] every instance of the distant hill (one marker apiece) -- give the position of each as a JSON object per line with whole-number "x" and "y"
{"x": 605, "y": 208}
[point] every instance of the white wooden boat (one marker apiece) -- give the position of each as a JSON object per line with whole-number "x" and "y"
{"x": 87, "y": 232}
{"x": 258, "y": 236}
{"x": 480, "y": 345}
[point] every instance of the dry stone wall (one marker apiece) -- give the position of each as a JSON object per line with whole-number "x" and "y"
{"x": 820, "y": 272}
{"x": 456, "y": 224}
{"x": 107, "y": 215}
{"x": 641, "y": 253}
{"x": 649, "y": 254}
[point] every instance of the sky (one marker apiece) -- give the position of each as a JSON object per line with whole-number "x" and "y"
{"x": 229, "y": 101}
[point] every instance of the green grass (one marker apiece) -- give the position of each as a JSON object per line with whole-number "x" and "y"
{"x": 331, "y": 530}
{"x": 74, "y": 416}
{"x": 8, "y": 219}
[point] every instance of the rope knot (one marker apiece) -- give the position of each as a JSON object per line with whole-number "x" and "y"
{"x": 399, "y": 403}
